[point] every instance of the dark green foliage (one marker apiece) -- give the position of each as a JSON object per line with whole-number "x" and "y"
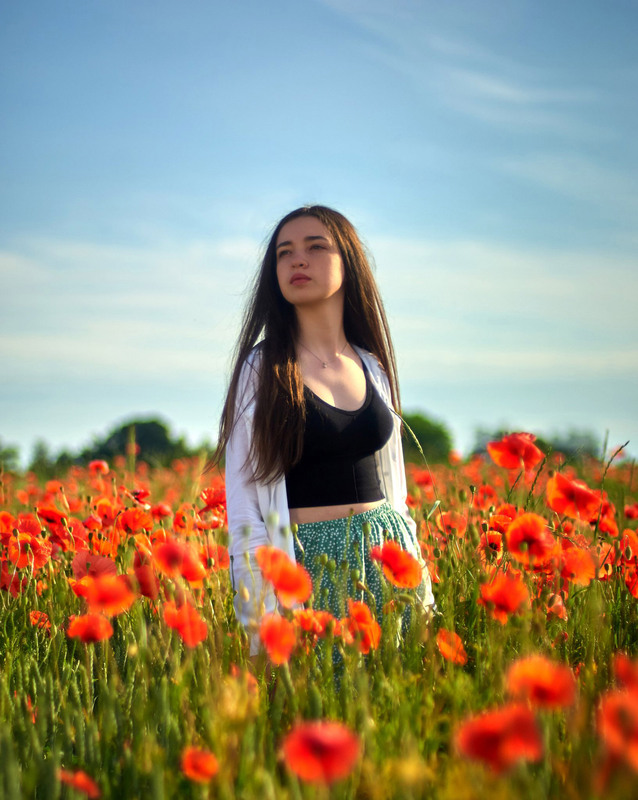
{"x": 434, "y": 438}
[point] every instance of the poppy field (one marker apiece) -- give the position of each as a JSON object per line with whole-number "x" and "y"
{"x": 124, "y": 674}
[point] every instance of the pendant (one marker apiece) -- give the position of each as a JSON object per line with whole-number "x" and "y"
{"x": 324, "y": 364}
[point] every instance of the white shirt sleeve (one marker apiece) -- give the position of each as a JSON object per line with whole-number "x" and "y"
{"x": 247, "y": 529}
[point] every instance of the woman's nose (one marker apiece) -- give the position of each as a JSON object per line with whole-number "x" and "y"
{"x": 299, "y": 260}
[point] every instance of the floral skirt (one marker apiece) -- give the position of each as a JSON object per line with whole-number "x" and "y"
{"x": 336, "y": 553}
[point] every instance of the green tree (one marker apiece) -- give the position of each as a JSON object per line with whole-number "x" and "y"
{"x": 434, "y": 438}
{"x": 9, "y": 457}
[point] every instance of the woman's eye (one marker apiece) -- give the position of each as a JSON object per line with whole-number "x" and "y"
{"x": 282, "y": 253}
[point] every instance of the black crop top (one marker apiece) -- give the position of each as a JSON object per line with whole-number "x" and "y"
{"x": 338, "y": 464}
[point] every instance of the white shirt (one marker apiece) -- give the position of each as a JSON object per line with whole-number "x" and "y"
{"x": 258, "y": 512}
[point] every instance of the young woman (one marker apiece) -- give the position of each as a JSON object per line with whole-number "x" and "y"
{"x": 310, "y": 427}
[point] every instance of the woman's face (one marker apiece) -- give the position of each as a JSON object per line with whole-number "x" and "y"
{"x": 309, "y": 265}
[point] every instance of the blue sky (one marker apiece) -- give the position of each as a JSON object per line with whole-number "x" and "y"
{"x": 486, "y": 151}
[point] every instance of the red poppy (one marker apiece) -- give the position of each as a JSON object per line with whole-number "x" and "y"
{"x": 362, "y": 626}
{"x": 199, "y": 765}
{"x": 399, "y": 567}
{"x": 135, "y": 520}
{"x": 186, "y": 621}
{"x": 87, "y": 563}
{"x": 110, "y": 594}
{"x": 321, "y": 751}
{"x": 90, "y": 628}
{"x": 631, "y": 511}
{"x": 515, "y": 451}
{"x": 451, "y": 647}
{"x": 80, "y": 781}
{"x": 572, "y": 498}
{"x": 556, "y": 607}
{"x": 179, "y": 558}
{"x": 503, "y": 595}
{"x": 541, "y": 682}
{"x": 313, "y": 621}
{"x": 98, "y": 467}
{"x": 50, "y": 514}
{"x": 452, "y": 522}
{"x": 26, "y": 550}
{"x": 214, "y": 497}
{"x": 577, "y": 565}
{"x": 530, "y": 541}
{"x": 490, "y": 547}
{"x": 215, "y": 556}
{"x": 40, "y": 620}
{"x": 278, "y": 637}
{"x": 618, "y": 725}
{"x": 291, "y": 581}
{"x": 145, "y": 574}
{"x": 626, "y": 671}
{"x": 501, "y": 738}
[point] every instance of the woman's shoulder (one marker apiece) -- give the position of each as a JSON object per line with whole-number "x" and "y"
{"x": 370, "y": 360}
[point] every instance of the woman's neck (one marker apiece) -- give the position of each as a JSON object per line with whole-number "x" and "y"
{"x": 321, "y": 331}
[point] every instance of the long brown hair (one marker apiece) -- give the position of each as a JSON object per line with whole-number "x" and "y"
{"x": 270, "y": 322}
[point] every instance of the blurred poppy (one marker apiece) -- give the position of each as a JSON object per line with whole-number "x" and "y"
{"x": 571, "y": 497}
{"x": 145, "y": 575}
{"x": 109, "y": 594}
{"x": 90, "y": 628}
{"x": 452, "y": 522}
{"x": 542, "y": 682}
{"x": 50, "y": 514}
{"x": 215, "y": 556}
{"x": 362, "y": 626}
{"x": 451, "y": 647}
{"x": 515, "y": 451}
{"x": 618, "y": 725}
{"x": 291, "y": 581}
{"x": 503, "y": 595}
{"x": 399, "y": 567}
{"x": 199, "y": 765}
{"x": 175, "y": 557}
{"x": 530, "y": 541}
{"x": 321, "y": 751}
{"x": 135, "y": 520}
{"x": 186, "y": 621}
{"x": 313, "y": 621}
{"x": 98, "y": 467}
{"x": 626, "y": 671}
{"x": 87, "y": 563}
{"x": 501, "y": 738}
{"x": 40, "y": 620}
{"x": 631, "y": 511}
{"x": 577, "y": 565}
{"x": 80, "y": 781}
{"x": 278, "y": 636}
{"x": 556, "y": 607}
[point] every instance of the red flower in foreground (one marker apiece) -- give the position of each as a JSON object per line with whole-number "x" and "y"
{"x": 360, "y": 622}
{"x": 110, "y": 594}
{"x": 186, "y": 621}
{"x": 540, "y": 681}
{"x": 572, "y": 498}
{"x": 87, "y": 563}
{"x": 451, "y": 647}
{"x": 502, "y": 737}
{"x": 291, "y": 581}
{"x": 80, "y": 781}
{"x": 503, "y": 595}
{"x": 90, "y": 628}
{"x": 530, "y": 541}
{"x": 278, "y": 637}
{"x": 577, "y": 565}
{"x": 618, "y": 725}
{"x": 399, "y": 567}
{"x": 321, "y": 752}
{"x": 199, "y": 765}
{"x": 174, "y": 558}
{"x": 515, "y": 451}
{"x": 626, "y": 671}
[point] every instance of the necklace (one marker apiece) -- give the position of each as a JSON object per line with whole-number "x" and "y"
{"x": 325, "y": 364}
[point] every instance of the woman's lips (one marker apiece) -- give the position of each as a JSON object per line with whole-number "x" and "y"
{"x": 298, "y": 280}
